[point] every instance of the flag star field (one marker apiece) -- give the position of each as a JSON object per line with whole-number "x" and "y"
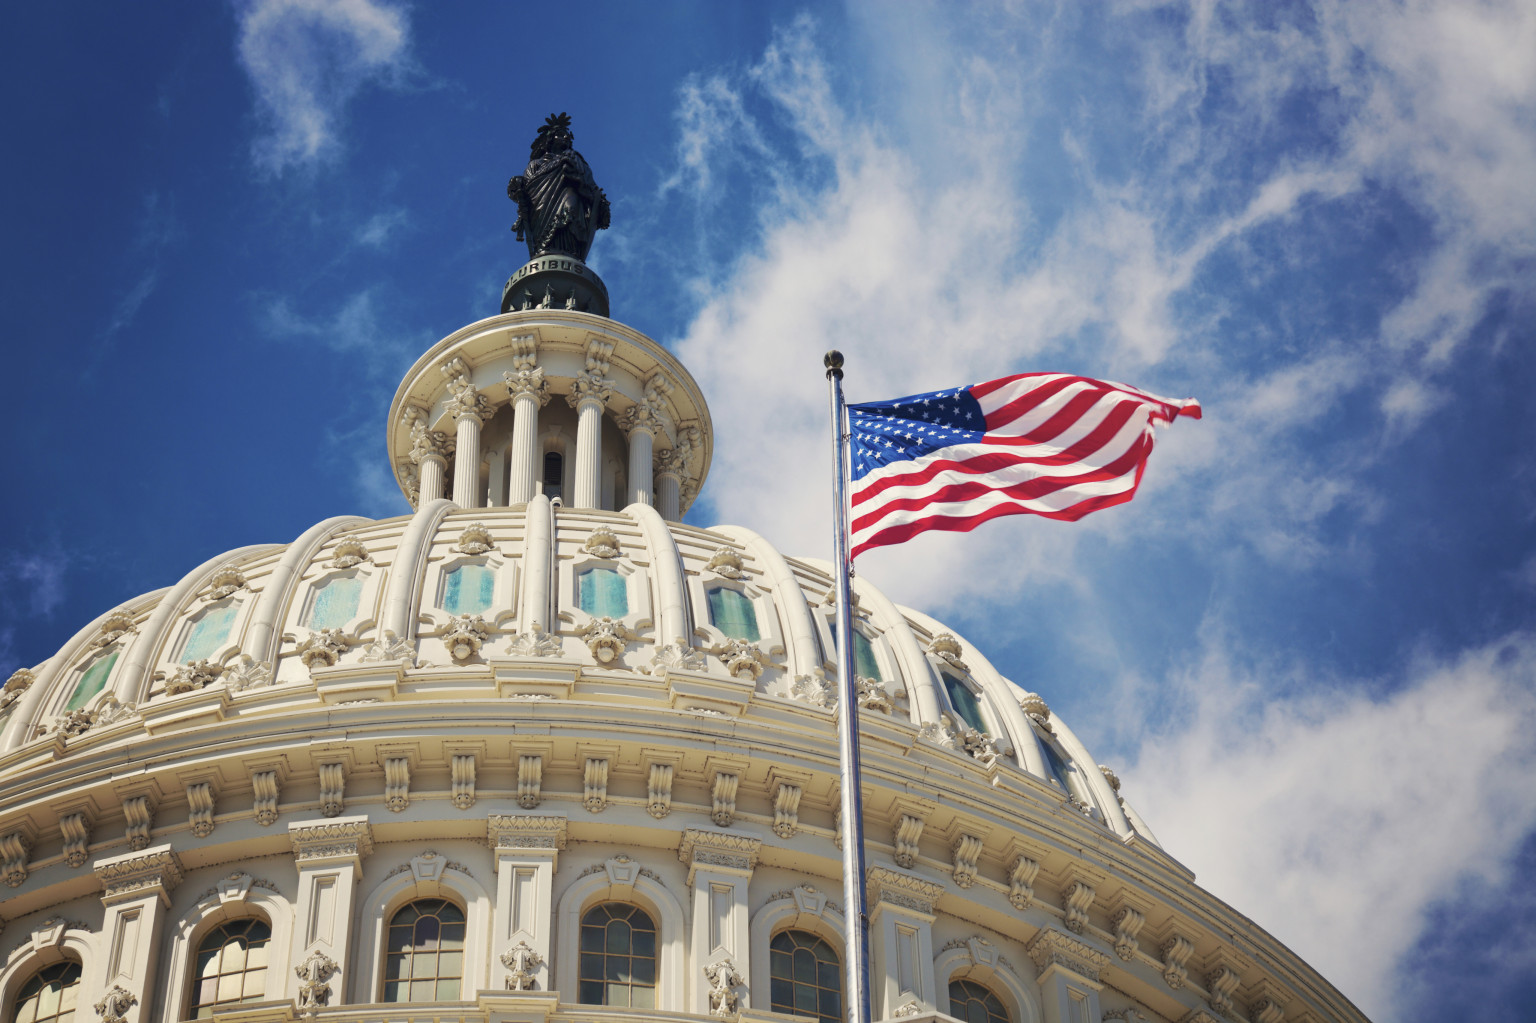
{"x": 1307, "y": 647}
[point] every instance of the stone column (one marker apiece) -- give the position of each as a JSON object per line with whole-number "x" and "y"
{"x": 497, "y": 484}
{"x": 529, "y": 393}
{"x": 719, "y": 870}
{"x": 329, "y": 854}
{"x": 668, "y": 490}
{"x": 900, "y": 942}
{"x": 589, "y": 395}
{"x": 469, "y": 409}
{"x": 1068, "y": 975}
{"x": 429, "y": 450}
{"x": 526, "y": 849}
{"x": 136, "y": 891}
{"x": 640, "y": 429}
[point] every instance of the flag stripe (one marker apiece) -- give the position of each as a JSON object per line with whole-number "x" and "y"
{"x": 1048, "y": 444}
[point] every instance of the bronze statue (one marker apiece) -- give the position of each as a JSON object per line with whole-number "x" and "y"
{"x": 559, "y": 207}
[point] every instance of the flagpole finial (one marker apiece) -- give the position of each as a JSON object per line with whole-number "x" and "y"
{"x": 833, "y": 360}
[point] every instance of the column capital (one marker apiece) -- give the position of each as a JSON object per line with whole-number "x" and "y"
{"x": 463, "y": 400}
{"x": 154, "y": 871}
{"x": 730, "y": 853}
{"x": 525, "y": 831}
{"x": 893, "y": 888}
{"x": 1051, "y": 947}
{"x": 527, "y": 383}
{"x": 329, "y": 839}
{"x": 589, "y": 387}
{"x": 674, "y": 461}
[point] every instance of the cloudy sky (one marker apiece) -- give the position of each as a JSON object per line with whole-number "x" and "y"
{"x": 1308, "y": 647}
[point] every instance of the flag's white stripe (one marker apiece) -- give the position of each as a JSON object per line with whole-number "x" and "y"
{"x": 1032, "y": 418}
{"x": 1016, "y": 389}
{"x": 1103, "y": 405}
{"x": 1058, "y": 501}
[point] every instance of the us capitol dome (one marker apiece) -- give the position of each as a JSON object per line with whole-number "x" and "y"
{"x": 540, "y": 752}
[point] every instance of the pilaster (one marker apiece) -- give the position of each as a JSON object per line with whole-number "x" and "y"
{"x": 1069, "y": 970}
{"x": 719, "y": 870}
{"x": 526, "y": 849}
{"x": 329, "y": 855}
{"x": 901, "y": 941}
{"x": 136, "y": 891}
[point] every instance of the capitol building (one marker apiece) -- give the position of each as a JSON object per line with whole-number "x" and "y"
{"x": 539, "y": 752}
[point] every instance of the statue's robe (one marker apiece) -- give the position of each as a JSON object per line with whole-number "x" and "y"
{"x": 563, "y": 200}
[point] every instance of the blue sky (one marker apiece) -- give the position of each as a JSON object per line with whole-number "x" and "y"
{"x": 1307, "y": 647}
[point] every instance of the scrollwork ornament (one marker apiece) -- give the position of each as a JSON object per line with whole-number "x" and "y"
{"x": 676, "y": 656}
{"x": 536, "y": 643}
{"x": 476, "y": 539}
{"x": 741, "y": 657}
{"x": 522, "y": 962}
{"x": 114, "y": 1005}
{"x": 192, "y": 676}
{"x": 466, "y": 634}
{"x": 605, "y": 638}
{"x": 224, "y": 582}
{"x": 245, "y": 672}
{"x": 323, "y": 648}
{"x": 114, "y": 627}
{"x": 602, "y": 543}
{"x": 314, "y": 974}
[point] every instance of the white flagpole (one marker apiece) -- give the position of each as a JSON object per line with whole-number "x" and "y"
{"x": 856, "y": 921}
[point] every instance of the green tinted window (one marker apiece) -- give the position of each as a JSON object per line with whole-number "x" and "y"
{"x": 92, "y": 681}
{"x": 209, "y": 634}
{"x": 732, "y": 613}
{"x": 864, "y": 663}
{"x": 964, "y": 702}
{"x": 602, "y": 594}
{"x": 468, "y": 589}
{"x": 335, "y": 602}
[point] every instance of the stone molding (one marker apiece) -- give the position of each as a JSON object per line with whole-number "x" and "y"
{"x": 337, "y": 838}
{"x": 1054, "y": 948}
{"x": 897, "y": 889}
{"x": 520, "y": 831}
{"x": 712, "y": 849}
{"x": 155, "y": 870}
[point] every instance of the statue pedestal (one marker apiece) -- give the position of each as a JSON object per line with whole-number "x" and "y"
{"x": 555, "y": 282}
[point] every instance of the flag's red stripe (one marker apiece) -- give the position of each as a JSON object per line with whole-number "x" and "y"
{"x": 965, "y": 523}
{"x": 1030, "y": 399}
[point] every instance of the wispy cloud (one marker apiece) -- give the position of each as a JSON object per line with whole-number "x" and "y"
{"x": 379, "y": 229}
{"x": 306, "y": 59}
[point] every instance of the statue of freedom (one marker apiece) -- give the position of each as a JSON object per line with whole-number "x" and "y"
{"x": 559, "y": 207}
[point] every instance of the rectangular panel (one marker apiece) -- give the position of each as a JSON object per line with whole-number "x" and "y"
{"x": 125, "y": 943}
{"x": 906, "y": 960}
{"x": 722, "y": 899}
{"x": 322, "y": 911}
{"x": 524, "y": 901}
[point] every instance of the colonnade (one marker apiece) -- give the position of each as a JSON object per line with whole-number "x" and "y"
{"x": 653, "y": 478}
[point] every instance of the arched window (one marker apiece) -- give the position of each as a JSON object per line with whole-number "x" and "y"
{"x": 92, "y": 681}
{"x": 973, "y": 1003}
{"x": 601, "y": 592}
{"x": 468, "y": 589}
{"x": 424, "y": 952}
{"x": 49, "y": 997}
{"x": 210, "y": 632}
{"x": 618, "y": 957}
{"x": 335, "y": 603}
{"x": 1063, "y": 773}
{"x": 964, "y": 701}
{"x": 231, "y": 966}
{"x": 732, "y": 613}
{"x": 864, "y": 663}
{"x": 554, "y": 473}
{"x": 807, "y": 976}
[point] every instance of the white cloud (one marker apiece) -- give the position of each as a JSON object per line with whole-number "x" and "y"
{"x": 379, "y": 228}
{"x": 306, "y": 59}
{"x": 1335, "y": 820}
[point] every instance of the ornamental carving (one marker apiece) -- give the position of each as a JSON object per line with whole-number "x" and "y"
{"x": 592, "y": 383}
{"x": 397, "y": 784}
{"x": 536, "y": 643}
{"x": 1051, "y": 947}
{"x": 527, "y": 377}
{"x": 725, "y": 562}
{"x": 786, "y": 810}
{"x": 523, "y": 831}
{"x": 658, "y": 793}
{"x": 265, "y": 789}
{"x": 390, "y": 647}
{"x": 245, "y": 672}
{"x": 461, "y": 774}
{"x": 595, "y": 785}
{"x": 677, "y": 656}
{"x": 530, "y": 777}
{"x": 323, "y": 648}
{"x": 200, "y": 808}
{"x": 476, "y": 539}
{"x": 1221, "y": 982}
{"x": 724, "y": 979}
{"x": 1021, "y": 882}
{"x": 980, "y": 746}
{"x": 1077, "y": 897}
{"x": 189, "y": 677}
{"x": 723, "y": 798}
{"x": 466, "y": 634}
{"x": 20, "y": 681}
{"x": 522, "y": 962}
{"x": 711, "y": 848}
{"x": 947, "y": 649}
{"x": 602, "y": 543}
{"x": 908, "y": 1008}
{"x": 903, "y": 890}
{"x": 314, "y": 975}
{"x": 331, "y": 839}
{"x": 605, "y": 638}
{"x": 813, "y": 689}
{"x": 333, "y": 784}
{"x": 649, "y": 413}
{"x": 15, "y": 849}
{"x": 158, "y": 869}
{"x": 349, "y": 551}
{"x": 967, "y": 852}
{"x": 674, "y": 461}
{"x": 905, "y": 836}
{"x": 75, "y": 829}
{"x": 1266, "y": 1010}
{"x": 225, "y": 581}
{"x": 114, "y": 627}
{"x": 741, "y": 658}
{"x": 1034, "y": 707}
{"x": 409, "y": 481}
{"x": 114, "y": 1005}
{"x": 1176, "y": 952}
{"x": 873, "y": 694}
{"x": 77, "y": 722}
{"x": 1127, "y": 923}
{"x": 939, "y": 733}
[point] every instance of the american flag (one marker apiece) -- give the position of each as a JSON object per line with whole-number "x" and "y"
{"x": 1040, "y": 443}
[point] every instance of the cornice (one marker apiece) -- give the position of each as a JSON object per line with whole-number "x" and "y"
{"x": 525, "y": 831}
{"x": 717, "y": 850}
{"x": 337, "y": 838}
{"x": 894, "y": 888}
{"x": 1051, "y": 947}
{"x": 156, "y": 870}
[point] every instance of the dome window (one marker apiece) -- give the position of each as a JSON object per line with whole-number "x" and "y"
{"x": 554, "y": 472}
{"x": 732, "y": 613}
{"x": 807, "y": 977}
{"x": 973, "y": 1003}
{"x": 964, "y": 701}
{"x": 231, "y": 966}
{"x": 864, "y": 663}
{"x": 425, "y": 957}
{"x": 602, "y": 593}
{"x": 92, "y": 682}
{"x": 209, "y": 634}
{"x": 468, "y": 589}
{"x": 618, "y": 957}
{"x": 49, "y": 997}
{"x": 1063, "y": 774}
{"x": 335, "y": 602}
